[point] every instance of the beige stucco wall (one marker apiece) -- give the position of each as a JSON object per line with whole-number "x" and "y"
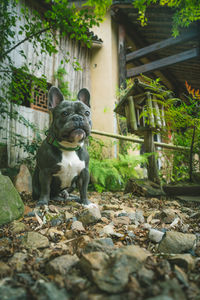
{"x": 104, "y": 80}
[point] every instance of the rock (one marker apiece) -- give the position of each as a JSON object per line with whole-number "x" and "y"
{"x": 90, "y": 215}
{"x": 76, "y": 283}
{"x": 55, "y": 235}
{"x": 18, "y": 227}
{"x": 18, "y": 261}
{"x": 146, "y": 276}
{"x": 56, "y": 222}
{"x": 123, "y": 220}
{"x": 136, "y": 256}
{"x": 77, "y": 226}
{"x": 143, "y": 187}
{"x": 16, "y": 293}
{"x": 185, "y": 261}
{"x": 43, "y": 290}
{"x": 181, "y": 276}
{"x": 5, "y": 270}
{"x": 113, "y": 277}
{"x": 160, "y": 297}
{"x": 177, "y": 242}
{"x": 11, "y": 204}
{"x": 109, "y": 214}
{"x": 68, "y": 216}
{"x": 93, "y": 261}
{"x": 173, "y": 288}
{"x": 61, "y": 264}
{"x": 108, "y": 230}
{"x": 35, "y": 240}
{"x": 167, "y": 215}
{"x": 23, "y": 180}
{"x": 136, "y": 217}
{"x": 103, "y": 245}
{"x": 155, "y": 235}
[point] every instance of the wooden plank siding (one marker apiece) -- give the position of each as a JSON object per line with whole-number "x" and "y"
{"x": 50, "y": 64}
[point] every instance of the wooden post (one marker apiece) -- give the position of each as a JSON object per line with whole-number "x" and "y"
{"x": 132, "y": 116}
{"x": 149, "y": 147}
{"x": 122, "y": 57}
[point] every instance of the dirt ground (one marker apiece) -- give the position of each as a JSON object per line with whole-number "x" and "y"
{"x": 123, "y": 247}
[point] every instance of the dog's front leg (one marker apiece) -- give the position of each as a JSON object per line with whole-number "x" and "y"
{"x": 83, "y": 182}
{"x": 45, "y": 182}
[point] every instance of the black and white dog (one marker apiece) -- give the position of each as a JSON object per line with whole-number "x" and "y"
{"x": 62, "y": 159}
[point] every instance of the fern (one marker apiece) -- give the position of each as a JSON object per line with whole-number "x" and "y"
{"x": 112, "y": 174}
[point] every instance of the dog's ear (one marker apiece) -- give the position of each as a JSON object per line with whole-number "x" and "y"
{"x": 54, "y": 97}
{"x": 84, "y": 96}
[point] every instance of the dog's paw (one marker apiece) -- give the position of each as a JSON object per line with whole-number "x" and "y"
{"x": 90, "y": 205}
{"x": 42, "y": 203}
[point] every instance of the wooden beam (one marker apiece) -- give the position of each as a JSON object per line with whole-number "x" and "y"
{"x": 133, "y": 33}
{"x": 139, "y": 141}
{"x": 164, "y": 62}
{"x": 161, "y": 45}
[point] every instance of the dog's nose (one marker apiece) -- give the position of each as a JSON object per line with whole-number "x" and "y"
{"x": 77, "y": 118}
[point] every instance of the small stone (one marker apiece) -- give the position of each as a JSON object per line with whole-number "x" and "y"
{"x": 68, "y": 216}
{"x": 168, "y": 215}
{"x": 43, "y": 290}
{"x": 77, "y": 226}
{"x": 70, "y": 234}
{"x": 181, "y": 276}
{"x": 61, "y": 264}
{"x": 56, "y": 222}
{"x": 185, "y": 261}
{"x": 103, "y": 245}
{"x": 15, "y": 293}
{"x": 146, "y": 276}
{"x": 5, "y": 270}
{"x": 177, "y": 242}
{"x": 90, "y": 215}
{"x": 155, "y": 235}
{"x": 35, "y": 240}
{"x": 93, "y": 261}
{"x": 109, "y": 214}
{"x": 136, "y": 256}
{"x": 18, "y": 261}
{"x": 23, "y": 180}
{"x": 123, "y": 220}
{"x": 110, "y": 207}
{"x": 108, "y": 230}
{"x": 18, "y": 227}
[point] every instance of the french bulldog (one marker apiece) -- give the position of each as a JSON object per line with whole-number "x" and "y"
{"x": 62, "y": 159}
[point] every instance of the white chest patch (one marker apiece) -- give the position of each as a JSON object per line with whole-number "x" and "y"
{"x": 71, "y": 166}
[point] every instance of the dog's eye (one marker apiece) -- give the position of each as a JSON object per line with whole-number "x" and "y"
{"x": 87, "y": 113}
{"x": 65, "y": 113}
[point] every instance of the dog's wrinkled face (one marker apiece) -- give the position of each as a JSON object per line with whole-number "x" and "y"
{"x": 71, "y": 121}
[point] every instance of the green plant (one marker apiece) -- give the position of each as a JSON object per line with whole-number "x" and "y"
{"x": 113, "y": 174}
{"x": 62, "y": 84}
{"x": 184, "y": 12}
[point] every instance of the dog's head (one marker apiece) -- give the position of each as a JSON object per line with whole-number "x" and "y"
{"x": 71, "y": 119}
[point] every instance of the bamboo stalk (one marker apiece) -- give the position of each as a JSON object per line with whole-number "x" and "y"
{"x": 139, "y": 141}
{"x": 132, "y": 116}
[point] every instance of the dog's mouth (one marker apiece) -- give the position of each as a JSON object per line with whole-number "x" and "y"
{"x": 75, "y": 136}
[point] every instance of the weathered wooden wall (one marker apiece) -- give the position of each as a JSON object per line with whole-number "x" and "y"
{"x": 50, "y": 65}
